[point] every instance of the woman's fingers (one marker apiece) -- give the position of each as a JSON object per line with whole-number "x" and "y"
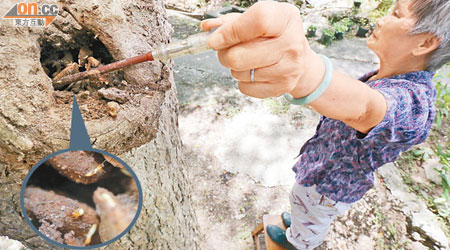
{"x": 279, "y": 72}
{"x": 269, "y": 38}
{"x": 260, "y": 20}
{"x": 269, "y": 81}
{"x": 258, "y": 53}
{"x": 208, "y": 24}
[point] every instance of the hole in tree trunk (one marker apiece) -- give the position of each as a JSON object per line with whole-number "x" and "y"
{"x": 60, "y": 58}
{"x": 77, "y": 51}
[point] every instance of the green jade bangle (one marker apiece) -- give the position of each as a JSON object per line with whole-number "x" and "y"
{"x": 319, "y": 90}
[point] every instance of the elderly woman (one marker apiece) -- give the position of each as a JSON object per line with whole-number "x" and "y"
{"x": 365, "y": 123}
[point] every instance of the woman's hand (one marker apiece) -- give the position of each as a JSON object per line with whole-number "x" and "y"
{"x": 269, "y": 38}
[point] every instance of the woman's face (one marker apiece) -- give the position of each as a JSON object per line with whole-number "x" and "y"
{"x": 392, "y": 39}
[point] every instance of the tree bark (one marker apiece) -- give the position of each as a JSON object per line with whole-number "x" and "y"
{"x": 35, "y": 119}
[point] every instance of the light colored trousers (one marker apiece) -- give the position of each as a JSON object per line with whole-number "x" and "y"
{"x": 311, "y": 216}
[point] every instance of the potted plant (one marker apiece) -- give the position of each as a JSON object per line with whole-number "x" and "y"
{"x": 347, "y": 22}
{"x": 363, "y": 28}
{"x": 299, "y": 4}
{"x": 362, "y": 31}
{"x": 356, "y": 4}
{"x": 340, "y": 29}
{"x": 327, "y": 36}
{"x": 311, "y": 31}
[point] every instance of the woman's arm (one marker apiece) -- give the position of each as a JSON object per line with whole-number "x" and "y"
{"x": 345, "y": 99}
{"x": 269, "y": 38}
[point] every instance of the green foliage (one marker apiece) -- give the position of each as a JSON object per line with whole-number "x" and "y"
{"x": 442, "y": 115}
{"x": 444, "y": 159}
{"x": 311, "y": 31}
{"x": 246, "y": 3}
{"x": 232, "y": 112}
{"x": 411, "y": 159}
{"x": 408, "y": 158}
{"x": 379, "y": 216}
{"x": 347, "y": 22}
{"x": 340, "y": 27}
{"x": 344, "y": 19}
{"x": 442, "y": 103}
{"x": 299, "y": 4}
{"x": 277, "y": 106}
{"x": 385, "y": 5}
{"x": 422, "y": 154}
{"x": 327, "y": 36}
{"x": 382, "y": 9}
{"x": 442, "y": 204}
{"x": 440, "y": 148}
{"x": 392, "y": 231}
{"x": 329, "y": 32}
{"x": 312, "y": 28}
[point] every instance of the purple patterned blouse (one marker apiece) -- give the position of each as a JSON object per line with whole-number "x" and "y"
{"x": 340, "y": 161}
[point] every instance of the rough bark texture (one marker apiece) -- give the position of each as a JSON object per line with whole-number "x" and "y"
{"x": 35, "y": 123}
{"x": 166, "y": 221}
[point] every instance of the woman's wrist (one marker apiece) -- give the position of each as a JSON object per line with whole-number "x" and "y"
{"x": 313, "y": 74}
{"x": 318, "y": 92}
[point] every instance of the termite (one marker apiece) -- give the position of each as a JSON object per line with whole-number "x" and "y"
{"x": 95, "y": 170}
{"x": 90, "y": 233}
{"x": 77, "y": 213}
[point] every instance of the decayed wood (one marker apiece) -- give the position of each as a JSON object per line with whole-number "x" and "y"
{"x": 62, "y": 82}
{"x": 62, "y": 219}
{"x": 81, "y": 166}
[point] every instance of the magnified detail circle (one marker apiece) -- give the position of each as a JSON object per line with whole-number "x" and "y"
{"x": 81, "y": 199}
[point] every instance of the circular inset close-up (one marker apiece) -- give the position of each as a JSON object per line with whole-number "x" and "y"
{"x": 81, "y": 199}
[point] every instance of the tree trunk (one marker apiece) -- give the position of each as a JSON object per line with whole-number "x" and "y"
{"x": 35, "y": 118}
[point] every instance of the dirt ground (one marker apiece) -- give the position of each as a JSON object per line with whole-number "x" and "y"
{"x": 229, "y": 206}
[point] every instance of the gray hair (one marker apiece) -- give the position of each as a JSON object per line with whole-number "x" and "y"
{"x": 433, "y": 16}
